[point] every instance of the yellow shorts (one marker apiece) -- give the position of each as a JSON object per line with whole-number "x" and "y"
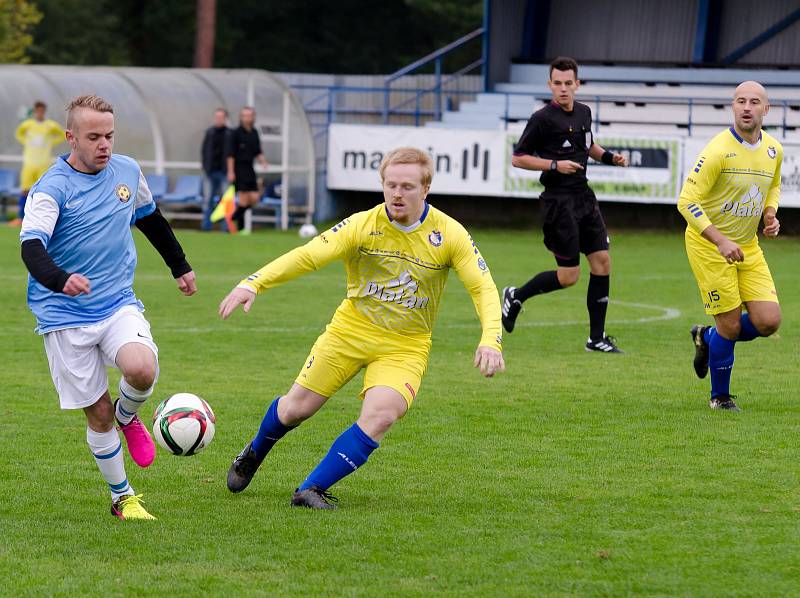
{"x": 31, "y": 174}
{"x": 351, "y": 343}
{"x": 725, "y": 286}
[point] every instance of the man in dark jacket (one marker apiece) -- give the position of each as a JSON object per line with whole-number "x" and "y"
{"x": 214, "y": 166}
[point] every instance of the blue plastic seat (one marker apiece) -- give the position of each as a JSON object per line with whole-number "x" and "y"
{"x": 9, "y": 182}
{"x": 272, "y": 200}
{"x": 9, "y": 189}
{"x": 188, "y": 189}
{"x": 157, "y": 184}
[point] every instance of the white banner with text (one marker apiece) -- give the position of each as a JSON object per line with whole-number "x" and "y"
{"x": 478, "y": 163}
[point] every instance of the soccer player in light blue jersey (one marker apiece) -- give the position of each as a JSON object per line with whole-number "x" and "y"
{"x": 78, "y": 247}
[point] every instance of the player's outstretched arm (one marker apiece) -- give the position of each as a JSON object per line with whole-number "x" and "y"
{"x": 238, "y": 296}
{"x": 489, "y": 361}
{"x": 772, "y": 225}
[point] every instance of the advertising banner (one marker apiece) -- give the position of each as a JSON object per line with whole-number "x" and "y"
{"x": 478, "y": 163}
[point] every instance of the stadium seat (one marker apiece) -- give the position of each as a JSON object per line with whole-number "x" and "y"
{"x": 188, "y": 190}
{"x": 9, "y": 189}
{"x": 271, "y": 200}
{"x": 157, "y": 184}
{"x": 672, "y": 101}
{"x": 9, "y": 180}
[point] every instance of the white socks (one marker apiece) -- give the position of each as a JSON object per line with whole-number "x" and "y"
{"x": 107, "y": 450}
{"x": 130, "y": 400}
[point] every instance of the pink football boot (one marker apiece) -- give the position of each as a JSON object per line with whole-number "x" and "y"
{"x": 140, "y": 443}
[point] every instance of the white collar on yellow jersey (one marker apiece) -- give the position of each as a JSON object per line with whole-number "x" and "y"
{"x": 741, "y": 140}
{"x": 410, "y": 227}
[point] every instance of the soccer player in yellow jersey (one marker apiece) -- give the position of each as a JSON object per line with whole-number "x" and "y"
{"x": 735, "y": 184}
{"x": 38, "y": 136}
{"x": 397, "y": 256}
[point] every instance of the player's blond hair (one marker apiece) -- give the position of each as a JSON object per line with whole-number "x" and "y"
{"x": 90, "y": 101}
{"x": 409, "y": 155}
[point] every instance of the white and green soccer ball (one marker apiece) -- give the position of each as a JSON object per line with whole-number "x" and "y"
{"x": 184, "y": 424}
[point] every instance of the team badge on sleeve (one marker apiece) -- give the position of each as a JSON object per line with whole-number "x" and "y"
{"x": 123, "y": 192}
{"x": 435, "y": 238}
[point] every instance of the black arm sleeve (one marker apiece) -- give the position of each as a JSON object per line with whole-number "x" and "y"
{"x": 157, "y": 230}
{"x": 42, "y": 267}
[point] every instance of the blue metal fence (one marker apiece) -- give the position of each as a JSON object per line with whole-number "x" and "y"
{"x": 412, "y": 110}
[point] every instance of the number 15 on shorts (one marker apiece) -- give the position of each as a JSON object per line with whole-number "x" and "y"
{"x": 712, "y": 298}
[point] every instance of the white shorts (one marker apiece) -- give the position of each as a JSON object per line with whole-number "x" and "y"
{"x": 78, "y": 357}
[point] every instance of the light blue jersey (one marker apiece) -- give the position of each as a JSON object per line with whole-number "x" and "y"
{"x": 84, "y": 222}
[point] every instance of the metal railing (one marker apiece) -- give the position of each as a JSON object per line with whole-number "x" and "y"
{"x": 437, "y": 59}
{"x": 598, "y": 100}
{"x": 412, "y": 111}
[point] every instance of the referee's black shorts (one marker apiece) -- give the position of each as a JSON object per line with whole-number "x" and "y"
{"x": 245, "y": 177}
{"x": 572, "y": 225}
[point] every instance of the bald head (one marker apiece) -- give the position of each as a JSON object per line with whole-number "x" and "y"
{"x": 750, "y": 105}
{"x": 751, "y": 88}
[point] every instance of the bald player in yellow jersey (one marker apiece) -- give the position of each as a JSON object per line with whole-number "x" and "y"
{"x": 734, "y": 184}
{"x": 397, "y": 257}
{"x": 38, "y": 136}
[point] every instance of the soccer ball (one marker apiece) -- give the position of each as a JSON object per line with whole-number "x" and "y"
{"x": 307, "y": 231}
{"x": 184, "y": 424}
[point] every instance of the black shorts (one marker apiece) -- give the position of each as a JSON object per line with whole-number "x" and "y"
{"x": 572, "y": 225}
{"x": 245, "y": 177}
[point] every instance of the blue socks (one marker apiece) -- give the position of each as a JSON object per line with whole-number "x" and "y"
{"x": 347, "y": 453}
{"x": 720, "y": 354}
{"x": 720, "y": 362}
{"x": 270, "y": 432}
{"x": 748, "y": 331}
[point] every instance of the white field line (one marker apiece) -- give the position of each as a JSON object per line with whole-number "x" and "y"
{"x": 662, "y": 313}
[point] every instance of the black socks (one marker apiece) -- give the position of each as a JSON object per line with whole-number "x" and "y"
{"x": 544, "y": 282}
{"x": 597, "y": 304}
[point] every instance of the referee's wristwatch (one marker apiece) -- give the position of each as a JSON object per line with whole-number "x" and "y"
{"x": 554, "y": 165}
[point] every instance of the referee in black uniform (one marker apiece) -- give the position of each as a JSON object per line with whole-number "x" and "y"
{"x": 244, "y": 146}
{"x": 558, "y": 141}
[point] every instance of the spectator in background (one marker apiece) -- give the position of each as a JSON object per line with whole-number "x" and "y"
{"x": 213, "y": 154}
{"x": 38, "y": 137}
{"x": 244, "y": 147}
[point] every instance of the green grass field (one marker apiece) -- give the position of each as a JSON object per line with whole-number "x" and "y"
{"x": 573, "y": 474}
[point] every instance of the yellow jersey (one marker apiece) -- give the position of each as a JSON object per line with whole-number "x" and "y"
{"x": 395, "y": 274}
{"x": 731, "y": 184}
{"x": 38, "y": 140}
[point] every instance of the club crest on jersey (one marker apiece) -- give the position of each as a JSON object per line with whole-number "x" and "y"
{"x": 772, "y": 152}
{"x": 482, "y": 264}
{"x": 123, "y": 192}
{"x": 435, "y": 238}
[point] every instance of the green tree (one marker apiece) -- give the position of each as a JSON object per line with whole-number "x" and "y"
{"x": 346, "y": 36}
{"x": 79, "y": 32}
{"x": 17, "y": 18}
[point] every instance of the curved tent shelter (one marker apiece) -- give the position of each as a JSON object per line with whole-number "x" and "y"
{"x": 162, "y": 114}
